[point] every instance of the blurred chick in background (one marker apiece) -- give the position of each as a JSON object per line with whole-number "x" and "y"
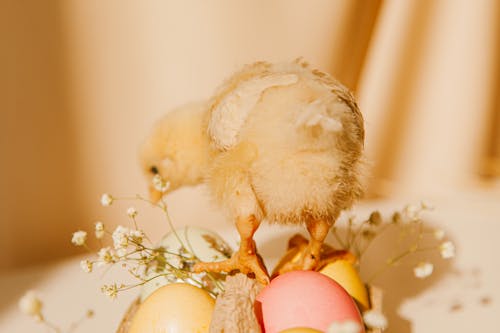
{"x": 280, "y": 142}
{"x": 177, "y": 148}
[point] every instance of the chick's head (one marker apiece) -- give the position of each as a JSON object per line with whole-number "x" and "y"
{"x": 176, "y": 150}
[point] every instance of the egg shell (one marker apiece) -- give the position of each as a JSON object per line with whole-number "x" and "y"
{"x": 304, "y": 299}
{"x": 301, "y": 330}
{"x": 344, "y": 273}
{"x": 175, "y": 308}
{"x": 194, "y": 239}
{"x": 153, "y": 284}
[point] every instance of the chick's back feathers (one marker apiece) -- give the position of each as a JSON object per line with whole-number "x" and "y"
{"x": 307, "y": 137}
{"x": 238, "y": 97}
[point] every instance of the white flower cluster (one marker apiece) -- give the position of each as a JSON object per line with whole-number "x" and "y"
{"x": 409, "y": 222}
{"x": 143, "y": 261}
{"x": 447, "y": 250}
{"x": 99, "y": 230}
{"x": 160, "y": 184}
{"x": 375, "y": 319}
{"x": 31, "y": 305}
{"x": 423, "y": 270}
{"x": 372, "y": 319}
{"x": 123, "y": 237}
{"x": 106, "y": 256}
{"x": 439, "y": 234}
{"x": 86, "y": 266}
{"x": 106, "y": 200}
{"x": 132, "y": 212}
{"x": 412, "y": 212}
{"x": 79, "y": 238}
{"x": 120, "y": 237}
{"x": 111, "y": 290}
{"x": 347, "y": 326}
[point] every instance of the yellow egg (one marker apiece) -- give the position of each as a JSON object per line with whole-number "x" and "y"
{"x": 174, "y": 308}
{"x": 300, "y": 330}
{"x": 346, "y": 275}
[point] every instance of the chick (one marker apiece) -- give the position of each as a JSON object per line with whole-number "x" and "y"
{"x": 177, "y": 148}
{"x": 277, "y": 142}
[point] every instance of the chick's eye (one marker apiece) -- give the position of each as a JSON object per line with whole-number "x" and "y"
{"x": 154, "y": 170}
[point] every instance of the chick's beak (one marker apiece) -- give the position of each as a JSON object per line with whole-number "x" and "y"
{"x": 154, "y": 195}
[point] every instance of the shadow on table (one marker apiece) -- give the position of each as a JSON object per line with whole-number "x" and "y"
{"x": 399, "y": 282}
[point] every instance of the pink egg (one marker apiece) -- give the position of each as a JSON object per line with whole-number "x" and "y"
{"x": 305, "y": 299}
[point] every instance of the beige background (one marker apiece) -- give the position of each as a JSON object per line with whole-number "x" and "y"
{"x": 82, "y": 82}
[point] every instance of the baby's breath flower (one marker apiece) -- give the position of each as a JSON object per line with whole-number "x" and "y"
{"x": 423, "y": 270}
{"x": 438, "y": 234}
{"x": 136, "y": 235}
{"x": 122, "y": 252}
{"x": 106, "y": 200}
{"x": 131, "y": 212}
{"x": 110, "y": 290}
{"x": 31, "y": 305}
{"x": 160, "y": 184}
{"x": 99, "y": 230}
{"x": 412, "y": 212}
{"x": 348, "y": 326}
{"x": 375, "y": 319}
{"x": 106, "y": 256}
{"x": 120, "y": 237}
{"x": 447, "y": 250}
{"x": 86, "y": 266}
{"x": 79, "y": 238}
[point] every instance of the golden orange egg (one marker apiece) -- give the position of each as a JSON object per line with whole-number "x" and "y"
{"x": 174, "y": 308}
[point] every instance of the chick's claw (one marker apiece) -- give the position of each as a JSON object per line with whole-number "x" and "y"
{"x": 302, "y": 256}
{"x": 240, "y": 261}
{"x": 306, "y": 262}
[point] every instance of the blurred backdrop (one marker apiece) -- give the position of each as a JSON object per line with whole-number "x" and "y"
{"x": 82, "y": 82}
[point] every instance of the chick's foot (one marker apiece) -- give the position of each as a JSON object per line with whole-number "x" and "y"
{"x": 310, "y": 255}
{"x": 306, "y": 261}
{"x": 301, "y": 256}
{"x": 241, "y": 261}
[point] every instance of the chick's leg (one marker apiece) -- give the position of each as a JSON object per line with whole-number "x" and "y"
{"x": 245, "y": 259}
{"x": 318, "y": 229}
{"x": 310, "y": 254}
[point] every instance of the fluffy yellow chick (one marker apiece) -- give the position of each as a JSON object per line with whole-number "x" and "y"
{"x": 279, "y": 142}
{"x": 177, "y": 148}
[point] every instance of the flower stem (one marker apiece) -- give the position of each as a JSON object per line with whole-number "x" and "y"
{"x": 337, "y": 237}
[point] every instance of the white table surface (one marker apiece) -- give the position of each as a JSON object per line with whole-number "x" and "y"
{"x": 463, "y": 294}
